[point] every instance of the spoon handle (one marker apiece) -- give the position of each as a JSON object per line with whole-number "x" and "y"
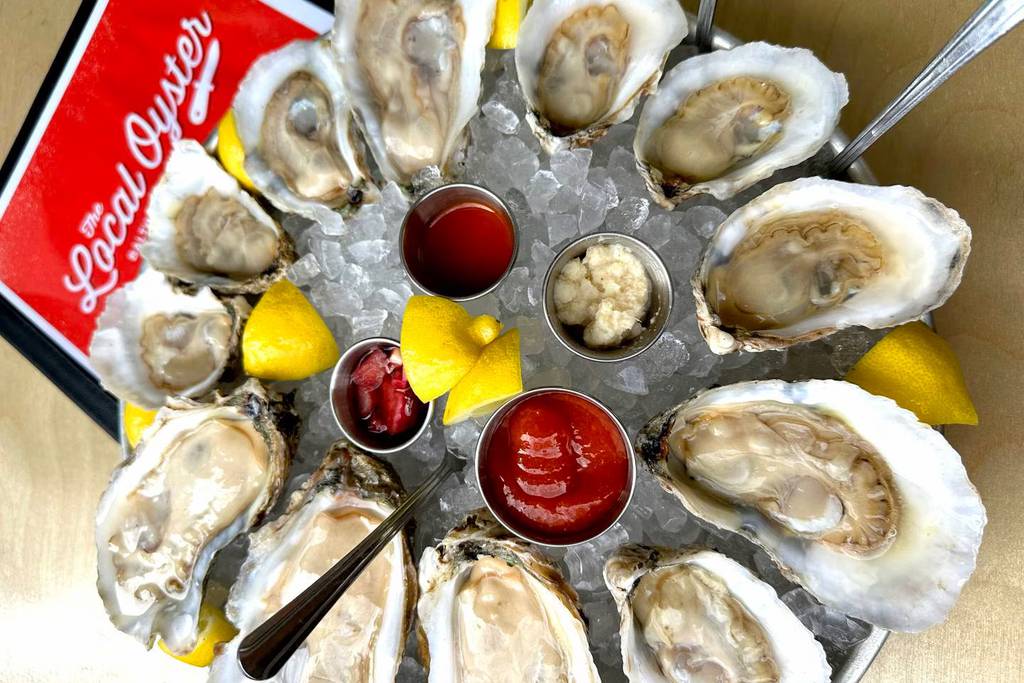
{"x": 988, "y": 24}
{"x": 704, "y": 33}
{"x": 263, "y": 652}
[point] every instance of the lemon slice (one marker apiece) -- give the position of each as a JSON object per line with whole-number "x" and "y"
{"x": 135, "y": 420}
{"x": 285, "y": 338}
{"x": 508, "y": 14}
{"x": 441, "y": 342}
{"x": 230, "y": 150}
{"x": 496, "y": 377}
{"x": 214, "y": 628}
{"x": 919, "y": 370}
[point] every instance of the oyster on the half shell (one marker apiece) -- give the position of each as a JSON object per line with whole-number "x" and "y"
{"x": 492, "y": 608}
{"x": 413, "y": 68}
{"x": 854, "y": 498}
{"x": 722, "y": 121}
{"x": 694, "y": 614}
{"x": 813, "y": 256}
{"x": 583, "y": 64}
{"x": 203, "y": 229}
{"x": 202, "y": 474}
{"x": 363, "y": 636}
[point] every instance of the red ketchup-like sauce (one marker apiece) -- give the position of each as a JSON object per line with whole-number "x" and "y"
{"x": 556, "y": 468}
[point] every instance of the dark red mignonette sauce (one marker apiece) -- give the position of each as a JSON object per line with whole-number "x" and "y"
{"x": 458, "y": 241}
{"x": 556, "y": 468}
{"x": 382, "y": 399}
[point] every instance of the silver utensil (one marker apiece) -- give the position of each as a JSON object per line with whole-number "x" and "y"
{"x": 263, "y": 652}
{"x": 704, "y": 33}
{"x": 989, "y": 23}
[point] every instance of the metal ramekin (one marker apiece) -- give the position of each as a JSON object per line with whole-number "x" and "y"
{"x": 657, "y": 315}
{"x": 454, "y": 193}
{"x": 350, "y": 423}
{"x": 488, "y": 431}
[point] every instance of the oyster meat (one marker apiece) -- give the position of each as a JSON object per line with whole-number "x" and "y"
{"x": 696, "y": 615}
{"x": 203, "y": 229}
{"x": 202, "y": 475}
{"x": 363, "y": 636}
{"x": 494, "y": 609}
{"x": 583, "y": 64}
{"x": 722, "y": 121}
{"x": 813, "y": 256}
{"x": 152, "y": 341}
{"x": 294, "y": 118}
{"x": 867, "y": 508}
{"x": 413, "y": 67}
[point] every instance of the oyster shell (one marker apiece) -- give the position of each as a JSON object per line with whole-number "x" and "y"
{"x": 692, "y": 614}
{"x": 294, "y": 118}
{"x": 202, "y": 474}
{"x": 413, "y": 67}
{"x": 363, "y": 636}
{"x": 583, "y": 64}
{"x": 493, "y": 608}
{"x": 813, "y": 256}
{"x": 203, "y": 229}
{"x": 152, "y": 342}
{"x": 867, "y": 508}
{"x": 722, "y": 121}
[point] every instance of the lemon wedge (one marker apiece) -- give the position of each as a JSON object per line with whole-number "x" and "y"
{"x": 214, "y": 628}
{"x": 135, "y": 420}
{"x": 496, "y": 377}
{"x": 230, "y": 150}
{"x": 508, "y": 14}
{"x": 285, "y": 338}
{"x": 919, "y": 370}
{"x": 440, "y": 343}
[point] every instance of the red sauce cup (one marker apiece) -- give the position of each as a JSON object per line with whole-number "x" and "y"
{"x": 491, "y": 444}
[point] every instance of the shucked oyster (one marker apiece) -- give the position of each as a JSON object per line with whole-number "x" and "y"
{"x": 363, "y": 636}
{"x": 203, "y": 229}
{"x": 720, "y": 122}
{"x": 152, "y": 342}
{"x": 413, "y": 67}
{"x": 583, "y": 64}
{"x": 202, "y": 475}
{"x": 494, "y": 609}
{"x": 294, "y": 118}
{"x": 869, "y": 509}
{"x": 696, "y": 615}
{"x": 813, "y": 256}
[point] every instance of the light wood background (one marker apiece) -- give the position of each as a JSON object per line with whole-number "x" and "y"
{"x": 962, "y": 146}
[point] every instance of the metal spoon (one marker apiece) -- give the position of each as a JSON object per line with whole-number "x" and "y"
{"x": 989, "y": 23}
{"x": 704, "y": 34}
{"x": 263, "y": 652}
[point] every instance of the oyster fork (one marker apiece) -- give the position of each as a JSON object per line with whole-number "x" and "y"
{"x": 263, "y": 652}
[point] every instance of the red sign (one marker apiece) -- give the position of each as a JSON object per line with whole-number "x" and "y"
{"x": 142, "y": 75}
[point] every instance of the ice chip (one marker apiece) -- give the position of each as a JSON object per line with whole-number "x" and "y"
{"x": 560, "y": 228}
{"x": 630, "y": 379}
{"x": 629, "y": 215}
{"x": 539, "y": 191}
{"x": 594, "y": 205}
{"x": 304, "y": 270}
{"x": 462, "y": 437}
{"x": 499, "y": 117}
{"x": 570, "y": 167}
{"x": 658, "y": 230}
{"x": 331, "y": 298}
{"x": 330, "y": 257}
{"x": 541, "y": 255}
{"x": 369, "y": 252}
{"x": 703, "y": 220}
{"x": 533, "y": 334}
{"x": 368, "y": 323}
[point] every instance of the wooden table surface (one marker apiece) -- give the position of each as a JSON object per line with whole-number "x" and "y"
{"x": 963, "y": 147}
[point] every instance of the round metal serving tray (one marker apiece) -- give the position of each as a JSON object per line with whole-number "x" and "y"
{"x": 863, "y": 654}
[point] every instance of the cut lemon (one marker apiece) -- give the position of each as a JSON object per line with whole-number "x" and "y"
{"x": 135, "y": 421}
{"x": 440, "y": 342}
{"x": 508, "y": 14}
{"x": 496, "y": 377}
{"x": 230, "y": 150}
{"x": 919, "y": 370}
{"x": 285, "y": 338}
{"x": 214, "y": 629}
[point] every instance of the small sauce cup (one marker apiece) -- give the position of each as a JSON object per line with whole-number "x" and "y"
{"x": 350, "y": 423}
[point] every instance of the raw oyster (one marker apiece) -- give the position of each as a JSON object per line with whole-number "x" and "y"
{"x": 869, "y": 509}
{"x": 494, "y": 609}
{"x": 813, "y": 256}
{"x": 202, "y": 474}
{"x": 203, "y": 229}
{"x": 362, "y": 638}
{"x": 294, "y": 118}
{"x": 694, "y": 614}
{"x": 583, "y": 64}
{"x": 413, "y": 67}
{"x": 722, "y": 121}
{"x": 152, "y": 342}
